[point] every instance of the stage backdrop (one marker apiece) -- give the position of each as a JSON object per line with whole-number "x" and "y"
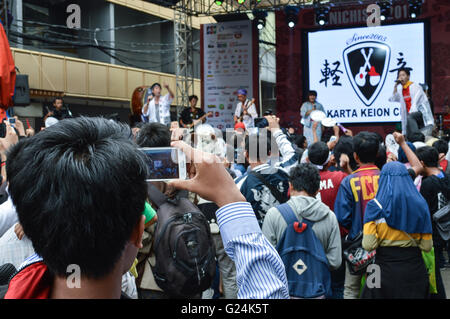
{"x": 291, "y": 56}
{"x": 227, "y": 55}
{"x": 353, "y": 70}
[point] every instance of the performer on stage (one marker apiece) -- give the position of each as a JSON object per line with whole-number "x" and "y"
{"x": 157, "y": 108}
{"x": 192, "y": 115}
{"x": 245, "y": 110}
{"x": 415, "y": 108}
{"x": 57, "y": 110}
{"x": 305, "y": 112}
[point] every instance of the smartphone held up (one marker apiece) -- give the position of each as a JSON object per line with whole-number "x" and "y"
{"x": 165, "y": 163}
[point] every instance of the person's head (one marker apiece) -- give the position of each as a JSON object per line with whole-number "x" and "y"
{"x": 79, "y": 190}
{"x": 239, "y": 127}
{"x": 381, "y": 157}
{"x": 156, "y": 89}
{"x": 428, "y": 156}
{"x": 365, "y": 146}
{"x": 301, "y": 142}
{"x": 312, "y": 96}
{"x": 441, "y": 146}
{"x": 193, "y": 99}
{"x": 153, "y": 135}
{"x": 291, "y": 130}
{"x": 58, "y": 103}
{"x": 319, "y": 154}
{"x": 417, "y": 137}
{"x": 242, "y": 95}
{"x": 403, "y": 75}
{"x": 258, "y": 147}
{"x": 304, "y": 177}
{"x": 345, "y": 146}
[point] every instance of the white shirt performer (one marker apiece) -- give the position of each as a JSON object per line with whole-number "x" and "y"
{"x": 157, "y": 108}
{"x": 245, "y": 110}
{"x": 415, "y": 108}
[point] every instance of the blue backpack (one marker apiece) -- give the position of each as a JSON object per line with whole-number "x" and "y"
{"x": 304, "y": 258}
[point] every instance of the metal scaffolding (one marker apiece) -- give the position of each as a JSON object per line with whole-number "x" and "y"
{"x": 184, "y": 59}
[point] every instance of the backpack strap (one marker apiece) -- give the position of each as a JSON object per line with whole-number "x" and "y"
{"x": 155, "y": 195}
{"x": 287, "y": 213}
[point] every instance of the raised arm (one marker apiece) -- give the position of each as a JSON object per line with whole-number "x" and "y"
{"x": 410, "y": 155}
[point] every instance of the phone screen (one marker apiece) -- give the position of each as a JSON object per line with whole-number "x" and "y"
{"x": 165, "y": 163}
{"x": 12, "y": 121}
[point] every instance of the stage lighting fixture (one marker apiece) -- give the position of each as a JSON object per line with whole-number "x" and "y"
{"x": 385, "y": 9}
{"x": 240, "y": 1}
{"x": 415, "y": 7}
{"x": 322, "y": 15}
{"x": 291, "y": 16}
{"x": 219, "y": 2}
{"x": 260, "y": 18}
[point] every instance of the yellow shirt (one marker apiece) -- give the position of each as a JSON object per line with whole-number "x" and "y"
{"x": 379, "y": 234}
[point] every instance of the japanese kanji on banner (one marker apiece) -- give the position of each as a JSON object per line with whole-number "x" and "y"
{"x": 353, "y": 70}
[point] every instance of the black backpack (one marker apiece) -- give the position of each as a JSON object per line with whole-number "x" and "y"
{"x": 184, "y": 249}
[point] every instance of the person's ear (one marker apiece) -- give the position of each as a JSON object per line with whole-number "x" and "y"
{"x": 138, "y": 231}
{"x": 356, "y": 157}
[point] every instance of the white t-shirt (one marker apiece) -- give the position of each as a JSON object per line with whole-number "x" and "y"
{"x": 249, "y": 120}
{"x": 164, "y": 110}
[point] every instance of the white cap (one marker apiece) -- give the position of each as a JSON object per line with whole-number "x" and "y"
{"x": 50, "y": 121}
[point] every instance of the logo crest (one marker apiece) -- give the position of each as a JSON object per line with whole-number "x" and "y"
{"x": 367, "y": 65}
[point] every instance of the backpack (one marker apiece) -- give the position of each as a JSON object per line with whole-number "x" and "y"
{"x": 304, "y": 258}
{"x": 184, "y": 249}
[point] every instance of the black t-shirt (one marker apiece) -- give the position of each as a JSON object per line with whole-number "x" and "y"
{"x": 188, "y": 116}
{"x": 60, "y": 114}
{"x": 436, "y": 191}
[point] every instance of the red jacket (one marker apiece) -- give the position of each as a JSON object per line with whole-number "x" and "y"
{"x": 32, "y": 282}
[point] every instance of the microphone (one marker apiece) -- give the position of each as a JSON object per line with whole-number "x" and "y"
{"x": 6, "y": 272}
{"x": 397, "y": 82}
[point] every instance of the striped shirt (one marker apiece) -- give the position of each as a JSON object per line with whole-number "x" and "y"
{"x": 260, "y": 270}
{"x": 378, "y": 234}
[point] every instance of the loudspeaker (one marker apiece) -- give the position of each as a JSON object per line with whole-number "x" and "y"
{"x": 22, "y": 91}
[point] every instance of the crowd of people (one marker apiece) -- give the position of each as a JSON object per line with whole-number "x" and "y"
{"x": 283, "y": 209}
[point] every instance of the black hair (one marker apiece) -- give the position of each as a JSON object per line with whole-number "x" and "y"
{"x": 345, "y": 146}
{"x": 193, "y": 97}
{"x": 318, "y": 153}
{"x": 153, "y": 86}
{"x": 441, "y": 146}
{"x": 366, "y": 146}
{"x": 312, "y": 92}
{"x": 416, "y": 137}
{"x": 381, "y": 157}
{"x": 153, "y": 135}
{"x": 300, "y": 141}
{"x": 429, "y": 155}
{"x": 57, "y": 98}
{"x": 258, "y": 139}
{"x": 305, "y": 177}
{"x": 79, "y": 190}
{"x": 406, "y": 70}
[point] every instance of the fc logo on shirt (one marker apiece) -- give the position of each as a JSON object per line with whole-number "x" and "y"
{"x": 367, "y": 65}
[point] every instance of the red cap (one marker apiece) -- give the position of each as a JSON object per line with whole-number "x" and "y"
{"x": 239, "y": 125}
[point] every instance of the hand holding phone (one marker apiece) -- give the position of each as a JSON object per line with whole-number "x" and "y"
{"x": 12, "y": 121}
{"x": 165, "y": 163}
